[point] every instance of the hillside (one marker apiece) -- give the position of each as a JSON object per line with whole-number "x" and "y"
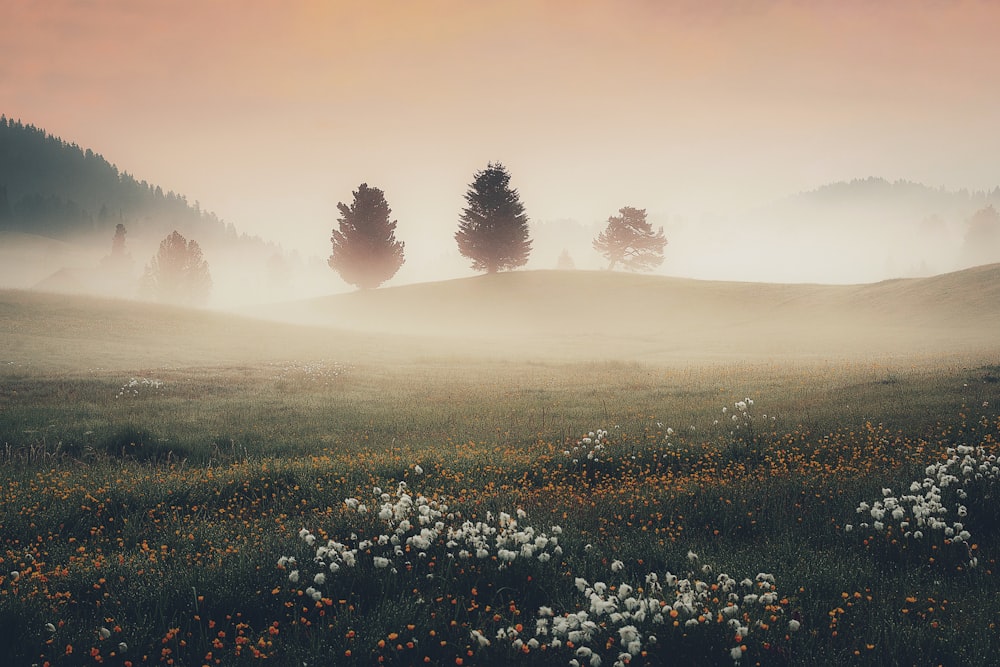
{"x": 615, "y": 315}
{"x": 543, "y": 316}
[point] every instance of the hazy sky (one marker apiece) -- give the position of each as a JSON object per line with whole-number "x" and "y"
{"x": 269, "y": 113}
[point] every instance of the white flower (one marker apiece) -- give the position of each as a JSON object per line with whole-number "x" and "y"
{"x": 418, "y": 470}
{"x": 122, "y": 647}
{"x": 380, "y": 562}
{"x": 293, "y": 576}
{"x": 793, "y": 625}
{"x": 319, "y": 579}
{"x": 736, "y": 654}
{"x": 617, "y": 566}
{"x": 50, "y": 627}
{"x": 692, "y": 556}
{"x": 104, "y": 633}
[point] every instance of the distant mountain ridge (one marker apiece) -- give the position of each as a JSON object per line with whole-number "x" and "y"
{"x": 904, "y": 196}
{"x": 56, "y": 189}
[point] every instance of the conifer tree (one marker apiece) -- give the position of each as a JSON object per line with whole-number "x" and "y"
{"x": 493, "y": 228}
{"x": 119, "y": 263}
{"x": 177, "y": 273}
{"x": 629, "y": 240}
{"x": 365, "y": 250}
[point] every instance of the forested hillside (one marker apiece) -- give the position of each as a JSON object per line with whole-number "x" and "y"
{"x": 57, "y": 189}
{"x": 60, "y": 205}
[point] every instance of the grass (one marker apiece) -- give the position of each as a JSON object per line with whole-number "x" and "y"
{"x": 150, "y": 503}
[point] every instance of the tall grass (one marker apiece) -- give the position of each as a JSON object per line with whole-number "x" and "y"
{"x": 146, "y": 515}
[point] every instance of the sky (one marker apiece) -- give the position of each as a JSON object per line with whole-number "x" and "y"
{"x": 269, "y": 113}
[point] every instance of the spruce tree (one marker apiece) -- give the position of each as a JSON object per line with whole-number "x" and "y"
{"x": 630, "y": 240}
{"x": 493, "y": 228}
{"x": 365, "y": 250}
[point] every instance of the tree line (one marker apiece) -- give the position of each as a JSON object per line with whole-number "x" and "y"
{"x": 492, "y": 233}
{"x": 57, "y": 189}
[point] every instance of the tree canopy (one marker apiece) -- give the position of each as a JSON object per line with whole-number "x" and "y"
{"x": 177, "y": 273}
{"x": 629, "y": 240}
{"x": 493, "y": 228}
{"x": 365, "y": 250}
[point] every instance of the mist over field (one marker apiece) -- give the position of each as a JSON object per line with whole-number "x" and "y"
{"x": 514, "y": 333}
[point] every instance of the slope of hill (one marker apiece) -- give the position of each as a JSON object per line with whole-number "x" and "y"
{"x": 79, "y": 333}
{"x": 624, "y": 315}
{"x": 543, "y": 316}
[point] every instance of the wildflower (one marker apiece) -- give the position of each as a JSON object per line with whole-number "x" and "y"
{"x": 793, "y": 625}
{"x": 319, "y": 579}
{"x": 293, "y": 576}
{"x": 380, "y": 562}
{"x": 104, "y": 633}
{"x": 692, "y": 556}
{"x": 122, "y": 647}
{"x": 50, "y": 627}
{"x": 736, "y": 654}
{"x": 418, "y": 470}
{"x": 617, "y": 566}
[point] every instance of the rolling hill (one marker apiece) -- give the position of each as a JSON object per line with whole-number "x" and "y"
{"x": 543, "y": 316}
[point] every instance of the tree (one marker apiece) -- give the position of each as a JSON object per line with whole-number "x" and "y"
{"x": 119, "y": 263}
{"x": 177, "y": 273}
{"x": 493, "y": 229}
{"x": 630, "y": 240}
{"x": 365, "y": 250}
{"x": 982, "y": 238}
{"x": 565, "y": 261}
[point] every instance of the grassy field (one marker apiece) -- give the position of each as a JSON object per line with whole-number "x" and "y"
{"x": 191, "y": 488}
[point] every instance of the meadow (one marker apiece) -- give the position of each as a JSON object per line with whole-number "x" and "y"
{"x": 191, "y": 488}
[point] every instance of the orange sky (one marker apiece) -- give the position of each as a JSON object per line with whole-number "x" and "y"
{"x": 270, "y": 113}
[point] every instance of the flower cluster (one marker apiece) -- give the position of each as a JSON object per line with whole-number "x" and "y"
{"x": 425, "y": 528}
{"x": 944, "y": 491}
{"x": 621, "y": 622}
{"x": 590, "y": 447}
{"x": 741, "y": 420}
{"x": 134, "y": 385}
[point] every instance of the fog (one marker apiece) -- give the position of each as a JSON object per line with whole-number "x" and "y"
{"x": 849, "y": 233}
{"x": 738, "y": 127}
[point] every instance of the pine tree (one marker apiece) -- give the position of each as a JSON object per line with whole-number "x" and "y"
{"x": 493, "y": 229}
{"x": 177, "y": 273}
{"x": 365, "y": 250}
{"x": 630, "y": 240}
{"x": 119, "y": 263}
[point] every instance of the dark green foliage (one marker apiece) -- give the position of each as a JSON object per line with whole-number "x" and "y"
{"x": 629, "y": 240}
{"x": 54, "y": 188}
{"x": 177, "y": 273}
{"x": 493, "y": 228}
{"x": 365, "y": 250}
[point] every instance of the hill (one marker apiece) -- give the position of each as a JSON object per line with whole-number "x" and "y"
{"x": 542, "y": 316}
{"x": 60, "y": 204}
{"x": 53, "y": 188}
{"x": 616, "y": 315}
